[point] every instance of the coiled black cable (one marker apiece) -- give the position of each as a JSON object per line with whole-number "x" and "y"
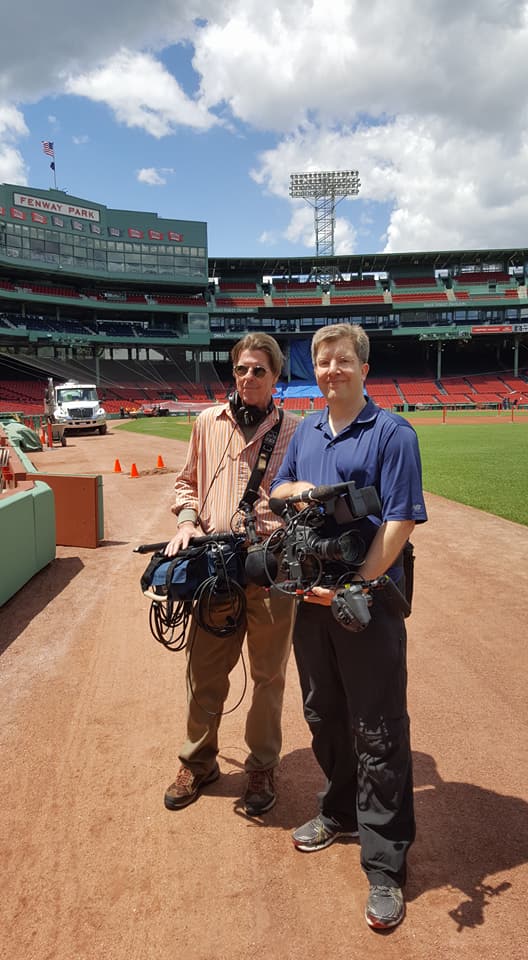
{"x": 164, "y": 618}
{"x": 218, "y": 607}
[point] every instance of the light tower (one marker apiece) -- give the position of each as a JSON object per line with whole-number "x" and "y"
{"x": 324, "y": 190}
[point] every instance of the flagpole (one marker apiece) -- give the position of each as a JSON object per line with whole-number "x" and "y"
{"x": 48, "y": 147}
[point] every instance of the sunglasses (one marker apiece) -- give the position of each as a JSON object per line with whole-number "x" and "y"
{"x": 241, "y": 370}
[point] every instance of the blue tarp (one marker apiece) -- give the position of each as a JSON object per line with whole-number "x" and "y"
{"x": 303, "y": 390}
{"x": 301, "y": 367}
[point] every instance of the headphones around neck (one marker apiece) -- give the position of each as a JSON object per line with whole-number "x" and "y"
{"x": 245, "y": 414}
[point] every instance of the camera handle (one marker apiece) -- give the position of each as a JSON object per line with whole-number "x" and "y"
{"x": 194, "y": 542}
{"x": 350, "y": 606}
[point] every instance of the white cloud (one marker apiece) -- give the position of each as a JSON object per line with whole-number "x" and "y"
{"x": 12, "y": 123}
{"x": 445, "y": 189}
{"x": 79, "y": 140}
{"x": 142, "y": 93}
{"x": 428, "y": 100}
{"x": 301, "y": 226}
{"x": 72, "y": 39}
{"x": 12, "y": 128}
{"x": 151, "y": 176}
{"x": 282, "y": 63}
{"x": 12, "y": 166}
{"x": 268, "y": 238}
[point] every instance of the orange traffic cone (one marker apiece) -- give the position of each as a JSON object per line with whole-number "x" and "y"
{"x": 160, "y": 462}
{"x": 134, "y": 471}
{"x": 117, "y": 466}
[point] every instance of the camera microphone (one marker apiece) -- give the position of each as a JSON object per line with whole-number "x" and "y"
{"x": 321, "y": 494}
{"x": 279, "y": 506}
{"x": 356, "y": 503}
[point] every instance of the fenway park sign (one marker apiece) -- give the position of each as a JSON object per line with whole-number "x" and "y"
{"x": 53, "y": 206}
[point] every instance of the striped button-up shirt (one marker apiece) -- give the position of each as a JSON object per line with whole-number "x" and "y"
{"x": 218, "y": 466}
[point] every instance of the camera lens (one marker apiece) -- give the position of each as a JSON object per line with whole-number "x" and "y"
{"x": 351, "y": 547}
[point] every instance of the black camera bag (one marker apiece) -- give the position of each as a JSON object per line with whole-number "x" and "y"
{"x": 408, "y": 573}
{"x": 184, "y": 574}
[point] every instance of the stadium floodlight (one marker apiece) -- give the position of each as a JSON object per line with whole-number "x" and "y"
{"x": 336, "y": 183}
{"x": 324, "y": 190}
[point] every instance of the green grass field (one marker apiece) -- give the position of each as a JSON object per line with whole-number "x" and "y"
{"x": 173, "y": 428}
{"x": 484, "y": 465}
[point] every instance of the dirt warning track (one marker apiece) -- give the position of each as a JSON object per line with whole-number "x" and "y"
{"x": 95, "y": 868}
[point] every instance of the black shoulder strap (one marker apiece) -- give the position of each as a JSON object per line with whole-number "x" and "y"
{"x": 251, "y": 493}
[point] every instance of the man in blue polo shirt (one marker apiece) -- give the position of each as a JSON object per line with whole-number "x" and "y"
{"x": 354, "y": 684}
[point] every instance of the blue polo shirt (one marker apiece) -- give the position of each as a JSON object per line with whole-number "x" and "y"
{"x": 377, "y": 449}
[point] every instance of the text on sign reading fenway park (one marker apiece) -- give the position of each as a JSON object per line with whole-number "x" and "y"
{"x": 53, "y": 206}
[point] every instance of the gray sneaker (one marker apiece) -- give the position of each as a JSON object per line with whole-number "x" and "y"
{"x": 316, "y": 835}
{"x": 385, "y": 907}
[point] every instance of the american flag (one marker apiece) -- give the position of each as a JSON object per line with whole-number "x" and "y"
{"x": 47, "y": 146}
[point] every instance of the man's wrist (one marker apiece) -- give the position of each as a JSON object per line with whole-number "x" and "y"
{"x": 187, "y": 515}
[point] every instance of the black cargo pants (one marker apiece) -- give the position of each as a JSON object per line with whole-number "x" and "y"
{"x": 354, "y": 689}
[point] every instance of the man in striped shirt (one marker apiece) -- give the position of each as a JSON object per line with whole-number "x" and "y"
{"x": 223, "y": 450}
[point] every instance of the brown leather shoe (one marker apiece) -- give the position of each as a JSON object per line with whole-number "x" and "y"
{"x": 187, "y": 786}
{"x": 260, "y": 793}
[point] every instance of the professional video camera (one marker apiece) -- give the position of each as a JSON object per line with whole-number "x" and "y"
{"x": 296, "y": 558}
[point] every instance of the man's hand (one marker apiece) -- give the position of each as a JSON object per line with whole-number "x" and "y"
{"x": 181, "y": 539}
{"x": 321, "y": 595}
{"x": 324, "y": 595}
{"x": 285, "y": 490}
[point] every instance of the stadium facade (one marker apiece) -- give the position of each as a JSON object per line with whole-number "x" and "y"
{"x": 131, "y": 298}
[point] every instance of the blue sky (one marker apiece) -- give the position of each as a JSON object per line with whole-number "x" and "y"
{"x": 202, "y": 110}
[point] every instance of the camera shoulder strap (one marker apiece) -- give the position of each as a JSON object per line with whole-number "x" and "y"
{"x": 251, "y": 493}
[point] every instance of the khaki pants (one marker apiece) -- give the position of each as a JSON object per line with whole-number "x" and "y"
{"x": 267, "y": 628}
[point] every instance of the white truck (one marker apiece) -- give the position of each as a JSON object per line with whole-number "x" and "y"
{"x": 76, "y": 405}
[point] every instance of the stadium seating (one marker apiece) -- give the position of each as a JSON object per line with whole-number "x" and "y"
{"x": 234, "y": 285}
{"x": 295, "y": 285}
{"x": 515, "y": 383}
{"x": 51, "y": 291}
{"x": 418, "y": 391}
{"x": 482, "y": 397}
{"x": 483, "y": 276}
{"x": 455, "y": 399}
{"x": 297, "y": 301}
{"x": 414, "y": 281}
{"x": 424, "y": 295}
{"x": 297, "y": 403}
{"x": 165, "y": 298}
{"x": 477, "y": 390}
{"x": 417, "y": 386}
{"x": 356, "y": 283}
{"x": 353, "y": 298}
{"x": 486, "y": 384}
{"x": 256, "y": 301}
